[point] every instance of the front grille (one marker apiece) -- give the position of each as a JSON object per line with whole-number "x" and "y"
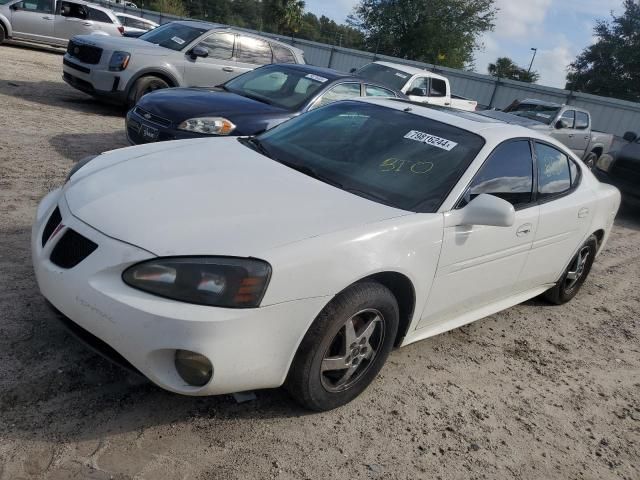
{"x": 50, "y": 227}
{"x": 72, "y": 249}
{"x": 75, "y": 66}
{"x": 84, "y": 53}
{"x": 152, "y": 117}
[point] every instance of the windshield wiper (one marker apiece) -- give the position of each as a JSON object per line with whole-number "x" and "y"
{"x": 367, "y": 194}
{"x": 257, "y": 98}
{"x": 255, "y": 144}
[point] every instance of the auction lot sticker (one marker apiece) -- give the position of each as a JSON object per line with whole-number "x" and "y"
{"x": 432, "y": 140}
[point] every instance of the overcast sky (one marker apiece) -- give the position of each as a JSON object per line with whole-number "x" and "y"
{"x": 560, "y": 29}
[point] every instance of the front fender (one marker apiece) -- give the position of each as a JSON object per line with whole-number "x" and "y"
{"x": 165, "y": 70}
{"x": 7, "y": 25}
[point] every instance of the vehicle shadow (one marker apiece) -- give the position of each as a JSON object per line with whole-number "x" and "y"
{"x": 20, "y": 45}
{"x": 629, "y": 216}
{"x": 76, "y": 146}
{"x": 58, "y": 94}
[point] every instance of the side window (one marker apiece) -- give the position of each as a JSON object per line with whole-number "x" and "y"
{"x": 554, "y": 176}
{"x": 253, "y": 50}
{"x": 582, "y": 120}
{"x": 438, "y": 88}
{"x": 507, "y": 174}
{"x": 373, "y": 91}
{"x": 41, "y": 6}
{"x": 569, "y": 117}
{"x": 342, "y": 91}
{"x": 219, "y": 45}
{"x": 99, "y": 16}
{"x": 282, "y": 54}
{"x": 74, "y": 10}
{"x": 419, "y": 87}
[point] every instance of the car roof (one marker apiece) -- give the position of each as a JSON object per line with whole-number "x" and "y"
{"x": 120, "y": 14}
{"x": 543, "y": 103}
{"x": 411, "y": 70}
{"x": 214, "y": 26}
{"x": 93, "y": 5}
{"x": 487, "y": 127}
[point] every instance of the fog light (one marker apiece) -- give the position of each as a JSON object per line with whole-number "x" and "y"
{"x": 195, "y": 369}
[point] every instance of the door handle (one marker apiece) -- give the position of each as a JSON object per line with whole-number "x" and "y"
{"x": 583, "y": 212}
{"x": 88, "y": 24}
{"x": 227, "y": 69}
{"x": 47, "y": 18}
{"x": 524, "y": 230}
{"x": 571, "y": 135}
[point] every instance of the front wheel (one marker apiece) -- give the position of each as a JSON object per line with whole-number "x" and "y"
{"x": 590, "y": 160}
{"x": 143, "y": 86}
{"x": 345, "y": 347}
{"x": 575, "y": 274}
{"x": 3, "y": 34}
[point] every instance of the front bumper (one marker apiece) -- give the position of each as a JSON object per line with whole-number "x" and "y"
{"x": 249, "y": 348}
{"x": 94, "y": 80}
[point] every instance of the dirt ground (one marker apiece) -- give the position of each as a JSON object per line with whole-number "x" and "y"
{"x": 534, "y": 392}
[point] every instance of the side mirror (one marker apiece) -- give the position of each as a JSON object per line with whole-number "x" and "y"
{"x": 15, "y": 6}
{"x": 485, "y": 209}
{"x": 353, "y": 70}
{"x": 417, "y": 92}
{"x": 560, "y": 124}
{"x": 198, "y": 51}
{"x": 630, "y": 137}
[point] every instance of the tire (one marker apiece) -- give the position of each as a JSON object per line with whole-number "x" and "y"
{"x": 373, "y": 312}
{"x": 591, "y": 159}
{"x": 3, "y": 33}
{"x": 145, "y": 85}
{"x": 575, "y": 274}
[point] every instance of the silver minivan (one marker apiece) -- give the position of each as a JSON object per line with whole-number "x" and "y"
{"x": 54, "y": 22}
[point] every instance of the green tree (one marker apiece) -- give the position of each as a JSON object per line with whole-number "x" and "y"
{"x": 170, "y": 7}
{"x": 506, "y": 68}
{"x": 282, "y": 16}
{"x": 611, "y": 66}
{"x": 435, "y": 31}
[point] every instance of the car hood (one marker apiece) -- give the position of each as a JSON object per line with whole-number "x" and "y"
{"x": 178, "y": 104}
{"x": 210, "y": 197}
{"x": 127, "y": 44}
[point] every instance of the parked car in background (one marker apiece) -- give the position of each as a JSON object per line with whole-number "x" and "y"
{"x": 569, "y": 124}
{"x": 305, "y": 254}
{"x": 419, "y": 85}
{"x": 135, "y": 26}
{"x": 621, "y": 167}
{"x": 176, "y": 54}
{"x": 54, "y": 22}
{"x": 246, "y": 105}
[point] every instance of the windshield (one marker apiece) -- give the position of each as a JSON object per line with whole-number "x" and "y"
{"x": 173, "y": 35}
{"x": 385, "y": 75}
{"x": 389, "y": 156}
{"x": 540, "y": 113}
{"x": 278, "y": 85}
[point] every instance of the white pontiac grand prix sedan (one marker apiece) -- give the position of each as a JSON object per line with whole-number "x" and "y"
{"x": 302, "y": 256}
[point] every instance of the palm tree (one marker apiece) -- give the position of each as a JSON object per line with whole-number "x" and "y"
{"x": 292, "y": 15}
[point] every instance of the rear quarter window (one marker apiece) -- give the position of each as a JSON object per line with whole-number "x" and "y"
{"x": 99, "y": 16}
{"x": 282, "y": 54}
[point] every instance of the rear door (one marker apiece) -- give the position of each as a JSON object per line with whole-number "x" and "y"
{"x": 480, "y": 265}
{"x": 218, "y": 67}
{"x": 72, "y": 19}
{"x": 439, "y": 92}
{"x": 565, "y": 215}
{"x": 252, "y": 52}
{"x": 33, "y": 20}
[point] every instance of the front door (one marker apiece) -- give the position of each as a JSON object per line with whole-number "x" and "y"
{"x": 218, "y": 67}
{"x": 33, "y": 20}
{"x": 480, "y": 265}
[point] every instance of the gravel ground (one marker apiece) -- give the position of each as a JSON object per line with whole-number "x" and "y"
{"x": 534, "y": 392}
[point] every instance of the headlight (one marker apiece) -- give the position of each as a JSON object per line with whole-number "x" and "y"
{"x": 215, "y": 281}
{"x": 208, "y": 125}
{"x": 79, "y": 165}
{"x": 119, "y": 61}
{"x": 604, "y": 162}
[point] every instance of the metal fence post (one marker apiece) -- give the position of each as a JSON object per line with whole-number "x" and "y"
{"x": 331, "y": 56}
{"x": 496, "y": 84}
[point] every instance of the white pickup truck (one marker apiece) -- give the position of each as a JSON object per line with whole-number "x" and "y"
{"x": 419, "y": 85}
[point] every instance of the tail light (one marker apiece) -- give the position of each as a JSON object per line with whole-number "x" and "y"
{"x": 121, "y": 30}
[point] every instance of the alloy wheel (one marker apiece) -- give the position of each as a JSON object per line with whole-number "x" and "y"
{"x": 352, "y": 350}
{"x": 577, "y": 268}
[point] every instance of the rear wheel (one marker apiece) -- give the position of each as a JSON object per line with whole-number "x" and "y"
{"x": 3, "y": 34}
{"x": 143, "y": 86}
{"x": 345, "y": 347}
{"x": 575, "y": 274}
